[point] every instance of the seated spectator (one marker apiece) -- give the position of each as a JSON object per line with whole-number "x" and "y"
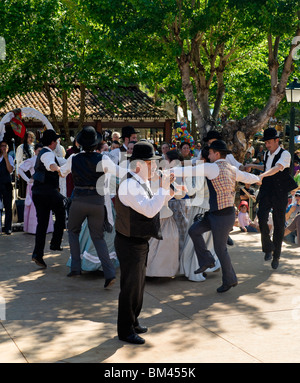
{"x": 248, "y": 158}
{"x": 246, "y": 192}
{"x": 185, "y": 150}
{"x": 259, "y": 153}
{"x": 245, "y": 223}
{"x": 294, "y": 227}
{"x": 291, "y": 212}
{"x": 115, "y": 136}
{"x": 165, "y": 147}
{"x": 115, "y": 145}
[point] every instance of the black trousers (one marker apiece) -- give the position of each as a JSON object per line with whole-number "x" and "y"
{"x": 277, "y": 204}
{"x": 6, "y": 196}
{"x": 132, "y": 254}
{"x": 82, "y": 208}
{"x": 220, "y": 225}
{"x": 44, "y": 203}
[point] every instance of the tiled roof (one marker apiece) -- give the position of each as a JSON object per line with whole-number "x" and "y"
{"x": 128, "y": 103}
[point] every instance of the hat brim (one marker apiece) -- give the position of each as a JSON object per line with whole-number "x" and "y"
{"x": 87, "y": 144}
{"x": 53, "y": 138}
{"x": 226, "y": 151}
{"x": 130, "y": 156}
{"x": 269, "y": 138}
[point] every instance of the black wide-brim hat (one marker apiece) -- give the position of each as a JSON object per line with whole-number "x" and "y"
{"x": 143, "y": 150}
{"x": 212, "y": 134}
{"x": 49, "y": 135}
{"x": 270, "y": 133}
{"x": 88, "y": 137}
{"x": 127, "y": 131}
{"x": 219, "y": 146}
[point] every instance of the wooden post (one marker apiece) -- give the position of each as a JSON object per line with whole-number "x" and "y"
{"x": 168, "y": 131}
{"x": 98, "y": 126}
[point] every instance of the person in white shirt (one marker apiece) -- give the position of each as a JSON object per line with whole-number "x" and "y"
{"x": 221, "y": 179}
{"x": 6, "y": 169}
{"x": 137, "y": 220}
{"x": 46, "y": 197}
{"x": 212, "y": 136}
{"x": 273, "y": 195}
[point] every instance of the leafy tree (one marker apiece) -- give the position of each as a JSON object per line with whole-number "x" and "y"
{"x": 213, "y": 43}
{"x": 50, "y": 42}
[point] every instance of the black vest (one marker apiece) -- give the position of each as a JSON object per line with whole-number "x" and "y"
{"x": 85, "y": 175}
{"x": 5, "y": 177}
{"x": 276, "y": 184}
{"x": 133, "y": 224}
{"x": 44, "y": 181}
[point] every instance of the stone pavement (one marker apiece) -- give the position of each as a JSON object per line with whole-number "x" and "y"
{"x": 52, "y": 318}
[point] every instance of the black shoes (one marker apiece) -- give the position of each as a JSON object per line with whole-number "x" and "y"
{"x": 74, "y": 274}
{"x": 203, "y": 268}
{"x": 56, "y": 248}
{"x": 230, "y": 241}
{"x": 133, "y": 338}
{"x": 8, "y": 232}
{"x": 268, "y": 256}
{"x": 109, "y": 282}
{"x": 224, "y": 288}
{"x": 39, "y": 261}
{"x": 275, "y": 263}
{"x": 140, "y": 329}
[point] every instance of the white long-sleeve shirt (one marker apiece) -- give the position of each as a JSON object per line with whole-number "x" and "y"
{"x": 211, "y": 171}
{"x": 106, "y": 165}
{"x": 48, "y": 158}
{"x": 133, "y": 195}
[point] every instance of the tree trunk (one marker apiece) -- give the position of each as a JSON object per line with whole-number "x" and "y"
{"x": 82, "y": 107}
{"x": 187, "y": 87}
{"x": 51, "y": 106}
{"x": 65, "y": 117}
{"x": 235, "y": 133}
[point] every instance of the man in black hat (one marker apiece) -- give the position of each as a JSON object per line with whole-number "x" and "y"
{"x": 137, "y": 220}
{"x": 221, "y": 181}
{"x": 46, "y": 197}
{"x": 214, "y": 135}
{"x": 273, "y": 194}
{"x": 88, "y": 202}
{"x": 128, "y": 134}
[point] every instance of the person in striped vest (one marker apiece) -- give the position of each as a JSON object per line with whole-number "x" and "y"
{"x": 221, "y": 180}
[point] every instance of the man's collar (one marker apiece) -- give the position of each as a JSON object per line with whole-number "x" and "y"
{"x": 138, "y": 178}
{"x": 274, "y": 153}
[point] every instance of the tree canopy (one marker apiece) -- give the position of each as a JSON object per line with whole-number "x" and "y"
{"x": 226, "y": 53}
{"x": 231, "y": 56}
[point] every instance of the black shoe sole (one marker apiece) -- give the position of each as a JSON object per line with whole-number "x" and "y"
{"x": 133, "y": 340}
{"x": 39, "y": 263}
{"x": 203, "y": 268}
{"x": 225, "y": 288}
{"x": 109, "y": 282}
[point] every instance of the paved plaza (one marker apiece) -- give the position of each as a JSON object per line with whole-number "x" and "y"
{"x": 51, "y": 318}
